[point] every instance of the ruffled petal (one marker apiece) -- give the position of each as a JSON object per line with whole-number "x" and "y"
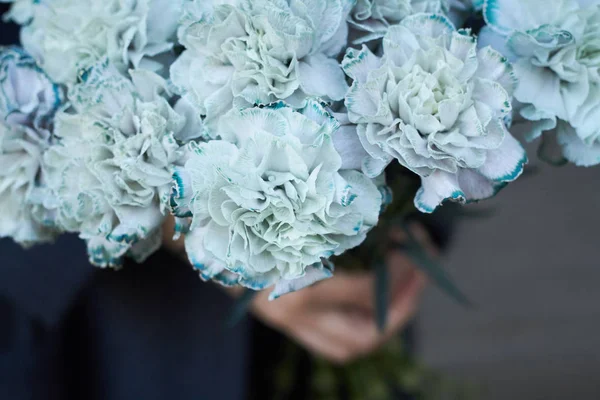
{"x": 348, "y": 146}
{"x": 506, "y": 163}
{"x": 475, "y": 186}
{"x": 540, "y": 87}
{"x": 538, "y": 122}
{"x": 207, "y": 266}
{"x": 437, "y": 188}
{"x": 313, "y": 274}
{"x": 357, "y": 64}
{"x": 504, "y": 16}
{"x": 322, "y": 76}
{"x": 576, "y": 150}
{"x": 494, "y": 66}
{"x": 432, "y": 25}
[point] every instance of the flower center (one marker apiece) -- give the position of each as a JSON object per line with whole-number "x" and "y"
{"x": 423, "y": 95}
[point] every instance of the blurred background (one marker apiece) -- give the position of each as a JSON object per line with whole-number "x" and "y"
{"x": 532, "y": 269}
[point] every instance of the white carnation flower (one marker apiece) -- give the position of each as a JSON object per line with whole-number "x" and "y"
{"x": 437, "y": 105}
{"x": 67, "y": 35}
{"x": 109, "y": 175}
{"x": 261, "y": 51}
{"x": 28, "y": 102}
{"x": 374, "y": 17}
{"x": 555, "y": 46}
{"x": 269, "y": 200}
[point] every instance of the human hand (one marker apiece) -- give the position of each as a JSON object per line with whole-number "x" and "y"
{"x": 336, "y": 318}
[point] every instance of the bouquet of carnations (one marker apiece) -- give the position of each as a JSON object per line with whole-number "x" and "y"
{"x": 268, "y": 128}
{"x": 277, "y": 132}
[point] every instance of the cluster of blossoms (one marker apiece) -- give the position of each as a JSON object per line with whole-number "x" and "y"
{"x": 265, "y": 127}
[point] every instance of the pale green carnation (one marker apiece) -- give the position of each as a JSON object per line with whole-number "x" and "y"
{"x": 270, "y": 201}
{"x": 67, "y": 35}
{"x": 260, "y": 51}
{"x": 109, "y": 173}
{"x": 28, "y": 102}
{"x": 436, "y": 105}
{"x": 555, "y": 46}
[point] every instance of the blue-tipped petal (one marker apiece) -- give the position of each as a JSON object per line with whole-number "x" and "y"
{"x": 313, "y": 274}
{"x": 437, "y": 188}
{"x": 144, "y": 248}
{"x": 262, "y": 281}
{"x": 506, "y": 163}
{"x": 181, "y": 193}
{"x": 103, "y": 253}
{"x": 387, "y": 196}
{"x": 505, "y": 16}
{"x": 358, "y": 63}
{"x": 182, "y": 227}
{"x": 432, "y": 25}
{"x": 227, "y": 279}
{"x": 476, "y": 186}
{"x": 207, "y": 266}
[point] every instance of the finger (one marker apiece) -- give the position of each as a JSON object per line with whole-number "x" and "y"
{"x": 404, "y": 304}
{"x": 400, "y": 268}
{"x": 352, "y": 290}
{"x": 292, "y": 315}
{"x": 339, "y": 334}
{"x": 355, "y": 333}
{"x": 321, "y": 345}
{"x": 353, "y": 329}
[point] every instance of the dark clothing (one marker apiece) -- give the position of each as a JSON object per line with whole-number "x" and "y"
{"x": 151, "y": 331}
{"x": 158, "y": 332}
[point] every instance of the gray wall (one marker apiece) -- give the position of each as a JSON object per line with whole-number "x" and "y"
{"x": 533, "y": 268}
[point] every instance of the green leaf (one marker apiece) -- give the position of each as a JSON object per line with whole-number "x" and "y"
{"x": 382, "y": 294}
{"x": 436, "y": 273}
{"x": 240, "y": 307}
